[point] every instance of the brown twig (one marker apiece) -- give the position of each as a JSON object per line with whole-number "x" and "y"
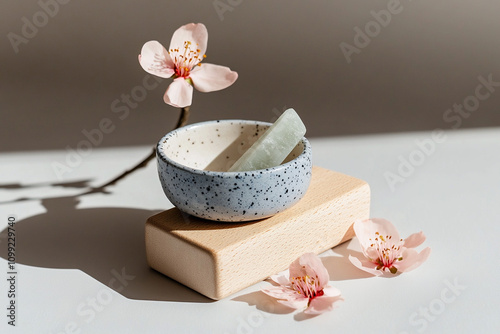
{"x": 183, "y": 119}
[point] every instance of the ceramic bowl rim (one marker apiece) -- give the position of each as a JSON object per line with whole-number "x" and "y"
{"x": 161, "y": 155}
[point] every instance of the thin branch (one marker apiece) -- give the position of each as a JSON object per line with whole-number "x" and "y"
{"x": 183, "y": 119}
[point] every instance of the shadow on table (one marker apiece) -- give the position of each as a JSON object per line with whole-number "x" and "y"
{"x": 340, "y": 268}
{"x": 70, "y": 184}
{"x": 105, "y": 243}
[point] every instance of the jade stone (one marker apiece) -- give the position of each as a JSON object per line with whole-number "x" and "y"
{"x": 274, "y": 145}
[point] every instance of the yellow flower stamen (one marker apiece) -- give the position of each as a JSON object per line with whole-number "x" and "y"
{"x": 185, "y": 62}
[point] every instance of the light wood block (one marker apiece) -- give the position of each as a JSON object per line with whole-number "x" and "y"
{"x": 218, "y": 259}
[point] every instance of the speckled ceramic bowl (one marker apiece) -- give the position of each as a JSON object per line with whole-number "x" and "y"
{"x": 192, "y": 162}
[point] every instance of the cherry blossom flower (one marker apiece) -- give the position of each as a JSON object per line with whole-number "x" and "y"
{"x": 384, "y": 250}
{"x": 182, "y": 62}
{"x": 306, "y": 287}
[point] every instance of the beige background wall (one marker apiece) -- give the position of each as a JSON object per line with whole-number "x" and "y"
{"x": 83, "y": 56}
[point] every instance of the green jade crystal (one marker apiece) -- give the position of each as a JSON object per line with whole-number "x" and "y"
{"x": 274, "y": 145}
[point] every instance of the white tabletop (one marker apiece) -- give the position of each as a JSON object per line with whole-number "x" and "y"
{"x": 81, "y": 263}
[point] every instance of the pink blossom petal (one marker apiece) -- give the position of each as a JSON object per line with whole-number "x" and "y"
{"x": 414, "y": 240}
{"x": 310, "y": 265}
{"x": 371, "y": 253}
{"x": 280, "y": 279}
{"x": 310, "y": 290}
{"x": 412, "y": 259}
{"x": 296, "y": 303}
{"x": 196, "y": 33}
{"x": 179, "y": 93}
{"x": 322, "y": 304}
{"x": 330, "y": 291}
{"x": 210, "y": 77}
{"x": 365, "y": 265}
{"x": 155, "y": 59}
{"x": 366, "y": 229}
{"x": 280, "y": 292}
{"x": 297, "y": 269}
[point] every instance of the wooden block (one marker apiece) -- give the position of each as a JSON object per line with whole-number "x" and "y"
{"x": 218, "y": 259}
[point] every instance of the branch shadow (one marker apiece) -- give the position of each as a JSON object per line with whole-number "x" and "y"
{"x": 71, "y": 184}
{"x": 78, "y": 184}
{"x": 106, "y": 243}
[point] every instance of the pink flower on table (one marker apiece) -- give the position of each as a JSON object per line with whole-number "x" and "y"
{"x": 384, "y": 250}
{"x": 306, "y": 287}
{"x": 182, "y": 62}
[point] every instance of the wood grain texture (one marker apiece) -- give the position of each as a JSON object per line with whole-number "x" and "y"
{"x": 218, "y": 259}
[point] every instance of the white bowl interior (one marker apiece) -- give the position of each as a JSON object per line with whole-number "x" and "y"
{"x": 216, "y": 146}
